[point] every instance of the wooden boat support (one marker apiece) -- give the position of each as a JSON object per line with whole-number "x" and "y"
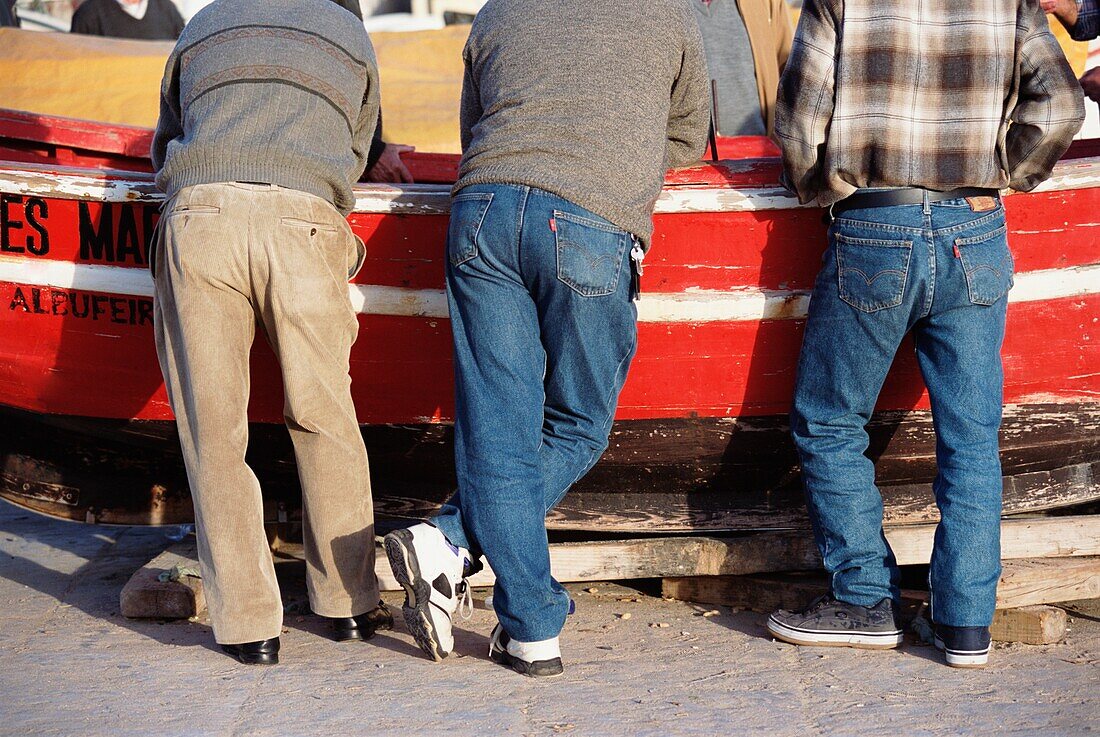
{"x": 700, "y": 440}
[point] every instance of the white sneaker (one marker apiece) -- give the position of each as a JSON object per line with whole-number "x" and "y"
{"x": 536, "y": 659}
{"x": 433, "y": 574}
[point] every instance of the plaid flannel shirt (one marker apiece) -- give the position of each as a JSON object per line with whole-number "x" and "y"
{"x": 893, "y": 93}
{"x": 1087, "y": 26}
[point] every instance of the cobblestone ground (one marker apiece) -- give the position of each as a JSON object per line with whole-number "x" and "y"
{"x": 70, "y": 664}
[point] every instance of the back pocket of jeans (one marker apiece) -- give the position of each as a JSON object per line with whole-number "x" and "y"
{"x": 590, "y": 254}
{"x": 872, "y": 272}
{"x": 467, "y": 214}
{"x": 987, "y": 263}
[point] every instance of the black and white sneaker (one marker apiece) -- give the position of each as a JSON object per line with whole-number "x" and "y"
{"x": 433, "y": 573}
{"x": 829, "y": 622}
{"x": 536, "y": 659}
{"x": 964, "y": 647}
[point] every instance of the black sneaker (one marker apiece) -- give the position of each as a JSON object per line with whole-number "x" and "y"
{"x": 964, "y": 647}
{"x": 832, "y": 623}
{"x": 545, "y": 656}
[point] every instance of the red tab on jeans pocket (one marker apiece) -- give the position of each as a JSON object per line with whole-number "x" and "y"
{"x": 553, "y": 225}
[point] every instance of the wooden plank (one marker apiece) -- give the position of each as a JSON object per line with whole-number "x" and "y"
{"x": 146, "y": 597}
{"x": 681, "y": 557}
{"x": 1058, "y": 537}
{"x": 1027, "y": 582}
{"x": 1030, "y": 625}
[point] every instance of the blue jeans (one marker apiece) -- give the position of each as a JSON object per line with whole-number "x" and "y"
{"x": 544, "y": 330}
{"x": 942, "y": 271}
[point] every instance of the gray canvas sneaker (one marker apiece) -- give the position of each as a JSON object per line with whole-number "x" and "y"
{"x": 832, "y": 623}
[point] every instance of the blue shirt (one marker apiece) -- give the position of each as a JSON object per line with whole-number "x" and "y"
{"x": 1088, "y": 21}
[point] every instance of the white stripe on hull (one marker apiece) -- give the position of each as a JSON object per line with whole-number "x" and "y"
{"x": 690, "y": 306}
{"x": 434, "y": 199}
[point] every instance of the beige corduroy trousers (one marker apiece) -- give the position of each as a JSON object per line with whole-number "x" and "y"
{"x": 230, "y": 257}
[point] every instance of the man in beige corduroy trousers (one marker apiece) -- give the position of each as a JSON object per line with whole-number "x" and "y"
{"x": 267, "y": 113}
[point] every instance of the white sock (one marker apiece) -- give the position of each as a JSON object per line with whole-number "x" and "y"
{"x": 534, "y": 651}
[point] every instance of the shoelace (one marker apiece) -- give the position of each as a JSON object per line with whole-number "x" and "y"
{"x": 494, "y": 639}
{"x": 466, "y": 603}
{"x": 814, "y": 606}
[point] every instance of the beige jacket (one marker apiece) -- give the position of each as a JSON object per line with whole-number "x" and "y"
{"x": 771, "y": 31}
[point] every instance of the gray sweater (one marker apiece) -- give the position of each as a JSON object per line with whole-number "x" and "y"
{"x": 280, "y": 91}
{"x": 591, "y": 100}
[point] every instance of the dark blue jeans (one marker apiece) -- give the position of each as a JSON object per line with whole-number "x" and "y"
{"x": 942, "y": 272}
{"x": 544, "y": 330}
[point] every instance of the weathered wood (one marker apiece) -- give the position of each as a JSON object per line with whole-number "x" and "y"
{"x": 1061, "y": 537}
{"x": 657, "y": 476}
{"x": 1027, "y": 582}
{"x": 146, "y": 597}
{"x": 1030, "y": 625}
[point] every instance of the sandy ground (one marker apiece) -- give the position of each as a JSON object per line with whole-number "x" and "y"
{"x": 70, "y": 664}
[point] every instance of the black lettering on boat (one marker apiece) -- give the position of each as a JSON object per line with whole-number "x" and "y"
{"x": 129, "y": 246}
{"x": 42, "y": 246}
{"x": 98, "y": 305}
{"x": 145, "y": 312}
{"x": 19, "y": 301}
{"x": 97, "y": 240}
{"x": 59, "y": 303}
{"x": 36, "y": 300}
{"x": 8, "y": 224}
{"x": 81, "y": 304}
{"x": 113, "y": 238}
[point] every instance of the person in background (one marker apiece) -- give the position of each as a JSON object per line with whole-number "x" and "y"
{"x": 906, "y": 120}
{"x": 8, "y": 14}
{"x": 571, "y": 112}
{"x": 747, "y": 43}
{"x": 257, "y": 163}
{"x": 1082, "y": 19}
{"x": 147, "y": 20}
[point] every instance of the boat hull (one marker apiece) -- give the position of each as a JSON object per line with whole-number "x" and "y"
{"x": 700, "y": 439}
{"x": 671, "y": 475}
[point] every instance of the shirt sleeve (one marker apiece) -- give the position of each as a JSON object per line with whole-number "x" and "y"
{"x": 1049, "y": 111}
{"x": 804, "y": 106}
{"x": 470, "y": 110}
{"x": 377, "y": 145}
{"x": 689, "y": 110}
{"x": 85, "y": 22}
{"x": 170, "y": 122}
{"x": 176, "y": 19}
{"x": 1087, "y": 26}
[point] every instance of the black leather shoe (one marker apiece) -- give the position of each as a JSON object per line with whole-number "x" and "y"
{"x": 362, "y": 626}
{"x": 264, "y": 652}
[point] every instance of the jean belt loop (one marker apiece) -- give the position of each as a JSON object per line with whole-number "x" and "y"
{"x": 927, "y": 203}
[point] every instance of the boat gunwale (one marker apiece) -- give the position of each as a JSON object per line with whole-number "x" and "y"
{"x": 120, "y": 186}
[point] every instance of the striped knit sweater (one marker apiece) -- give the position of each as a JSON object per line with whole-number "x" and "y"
{"x": 281, "y": 91}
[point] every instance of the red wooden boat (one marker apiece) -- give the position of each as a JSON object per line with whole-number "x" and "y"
{"x": 700, "y": 441}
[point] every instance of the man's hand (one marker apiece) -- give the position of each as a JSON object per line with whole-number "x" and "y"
{"x": 1090, "y": 83}
{"x": 1064, "y": 10}
{"x": 389, "y": 168}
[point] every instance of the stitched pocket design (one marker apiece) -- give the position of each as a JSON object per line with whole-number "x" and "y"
{"x": 872, "y": 272}
{"x": 467, "y": 214}
{"x": 987, "y": 263}
{"x": 590, "y": 254}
